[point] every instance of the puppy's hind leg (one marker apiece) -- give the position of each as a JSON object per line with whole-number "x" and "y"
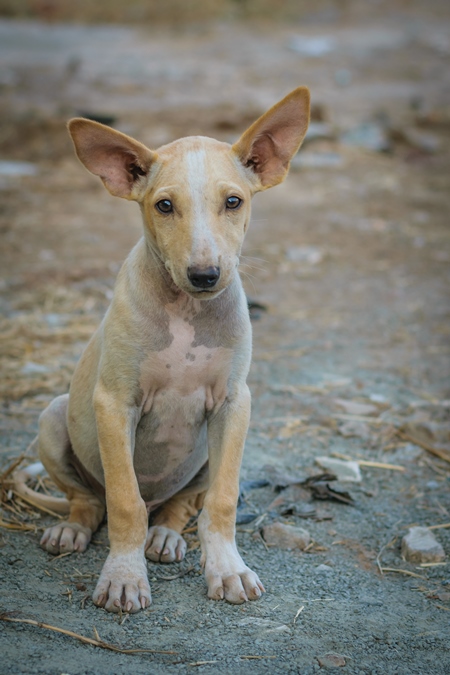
{"x": 86, "y": 508}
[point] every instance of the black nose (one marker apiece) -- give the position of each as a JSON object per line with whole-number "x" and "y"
{"x": 203, "y": 277}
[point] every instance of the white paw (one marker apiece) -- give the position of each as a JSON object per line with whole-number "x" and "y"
{"x": 164, "y": 545}
{"x": 66, "y": 538}
{"x": 227, "y": 576}
{"x": 123, "y": 583}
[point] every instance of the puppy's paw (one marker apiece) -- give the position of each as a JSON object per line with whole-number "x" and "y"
{"x": 164, "y": 545}
{"x": 227, "y": 576}
{"x": 123, "y": 583}
{"x": 66, "y": 538}
{"x": 236, "y": 588}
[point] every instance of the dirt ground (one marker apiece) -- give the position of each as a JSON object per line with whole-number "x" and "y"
{"x": 350, "y": 258}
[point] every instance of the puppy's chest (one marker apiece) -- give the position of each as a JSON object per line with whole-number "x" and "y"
{"x": 191, "y": 369}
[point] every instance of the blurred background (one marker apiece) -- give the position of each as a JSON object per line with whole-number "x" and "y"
{"x": 348, "y": 258}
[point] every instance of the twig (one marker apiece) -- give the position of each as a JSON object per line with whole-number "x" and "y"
{"x": 299, "y": 612}
{"x": 41, "y": 507}
{"x": 378, "y": 559}
{"x": 201, "y": 663}
{"x": 433, "y": 564}
{"x": 61, "y": 555}
{"x": 7, "y": 616}
{"x": 399, "y": 571}
{"x": 11, "y": 467}
{"x": 257, "y": 657}
{"x": 176, "y": 576}
{"x": 442, "y": 454}
{"x": 439, "y": 527}
{"x": 364, "y": 462}
{"x": 16, "y": 526}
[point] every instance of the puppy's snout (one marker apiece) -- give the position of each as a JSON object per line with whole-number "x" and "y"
{"x": 203, "y": 277}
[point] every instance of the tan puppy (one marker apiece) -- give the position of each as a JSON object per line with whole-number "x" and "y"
{"x": 158, "y": 409}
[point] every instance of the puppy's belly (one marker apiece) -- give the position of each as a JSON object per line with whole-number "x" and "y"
{"x": 171, "y": 445}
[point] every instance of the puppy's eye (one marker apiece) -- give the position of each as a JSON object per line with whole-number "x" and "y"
{"x": 233, "y": 202}
{"x": 164, "y": 206}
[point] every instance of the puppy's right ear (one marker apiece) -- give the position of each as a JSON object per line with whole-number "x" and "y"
{"x": 121, "y": 162}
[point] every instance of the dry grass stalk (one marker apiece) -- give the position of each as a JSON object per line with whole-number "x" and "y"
{"x": 400, "y": 571}
{"x": 9, "y": 616}
{"x": 14, "y": 464}
{"x": 439, "y": 527}
{"x": 299, "y": 611}
{"x": 17, "y": 526}
{"x": 36, "y": 505}
{"x": 437, "y": 452}
{"x": 364, "y": 462}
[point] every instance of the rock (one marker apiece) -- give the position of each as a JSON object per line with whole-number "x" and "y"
{"x": 371, "y": 136}
{"x": 421, "y": 546}
{"x": 356, "y": 408}
{"x": 359, "y": 429}
{"x": 344, "y": 470}
{"x": 323, "y": 569}
{"x": 331, "y": 661}
{"x": 286, "y": 536}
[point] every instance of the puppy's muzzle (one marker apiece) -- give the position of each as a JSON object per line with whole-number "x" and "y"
{"x": 203, "y": 277}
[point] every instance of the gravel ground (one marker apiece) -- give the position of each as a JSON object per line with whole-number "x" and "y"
{"x": 350, "y": 258}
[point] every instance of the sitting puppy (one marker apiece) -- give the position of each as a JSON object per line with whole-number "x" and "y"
{"x": 158, "y": 408}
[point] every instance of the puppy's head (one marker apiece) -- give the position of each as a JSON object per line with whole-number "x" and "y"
{"x": 195, "y": 193}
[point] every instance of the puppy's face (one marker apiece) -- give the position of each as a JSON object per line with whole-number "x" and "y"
{"x": 195, "y": 192}
{"x": 196, "y": 211}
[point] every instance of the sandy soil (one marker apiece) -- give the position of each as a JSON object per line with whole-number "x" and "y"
{"x": 351, "y": 258}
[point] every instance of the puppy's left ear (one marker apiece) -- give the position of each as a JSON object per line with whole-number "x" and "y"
{"x": 268, "y": 146}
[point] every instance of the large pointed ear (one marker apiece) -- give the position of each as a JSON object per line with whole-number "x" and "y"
{"x": 268, "y": 146}
{"x": 120, "y": 161}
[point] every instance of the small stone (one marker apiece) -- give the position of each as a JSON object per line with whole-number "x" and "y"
{"x": 358, "y": 429}
{"x": 371, "y": 136}
{"x": 421, "y": 546}
{"x": 323, "y": 569}
{"x": 331, "y": 661}
{"x": 355, "y": 407}
{"x": 286, "y": 536}
{"x": 344, "y": 470}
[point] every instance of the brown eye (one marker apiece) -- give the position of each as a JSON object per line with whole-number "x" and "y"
{"x": 233, "y": 202}
{"x": 164, "y": 206}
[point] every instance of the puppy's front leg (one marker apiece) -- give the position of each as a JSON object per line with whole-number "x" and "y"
{"x": 123, "y": 582}
{"x": 226, "y": 574}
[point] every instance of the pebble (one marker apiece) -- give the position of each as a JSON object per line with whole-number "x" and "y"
{"x": 371, "y": 136}
{"x": 359, "y": 429}
{"x": 331, "y": 661}
{"x": 421, "y": 546}
{"x": 344, "y": 470}
{"x": 286, "y": 536}
{"x": 323, "y": 569}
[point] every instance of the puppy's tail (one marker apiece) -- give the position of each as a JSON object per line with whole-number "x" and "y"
{"x": 57, "y": 505}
